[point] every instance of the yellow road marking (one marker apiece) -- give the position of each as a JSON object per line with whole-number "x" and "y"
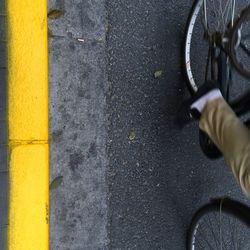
{"x": 28, "y": 124}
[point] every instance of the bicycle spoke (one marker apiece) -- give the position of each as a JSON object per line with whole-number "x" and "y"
{"x": 223, "y": 243}
{"x": 210, "y": 226}
{"x": 244, "y": 48}
{"x": 226, "y": 14}
{"x": 204, "y": 238}
{"x": 220, "y": 220}
{"x": 227, "y": 9}
{"x": 221, "y": 12}
{"x": 205, "y": 14}
{"x": 217, "y": 17}
{"x": 233, "y": 12}
{"x": 233, "y": 234}
{"x": 245, "y": 37}
{"x": 200, "y": 245}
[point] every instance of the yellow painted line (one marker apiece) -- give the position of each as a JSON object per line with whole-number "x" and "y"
{"x": 28, "y": 124}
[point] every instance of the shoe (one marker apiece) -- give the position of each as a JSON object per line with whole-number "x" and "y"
{"x": 191, "y": 109}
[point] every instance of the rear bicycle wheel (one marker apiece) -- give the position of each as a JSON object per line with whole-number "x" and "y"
{"x": 205, "y": 52}
{"x": 221, "y": 224}
{"x": 208, "y": 26}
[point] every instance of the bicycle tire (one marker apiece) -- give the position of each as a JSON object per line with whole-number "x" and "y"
{"x": 225, "y": 205}
{"x": 208, "y": 148}
{"x": 238, "y": 66}
{"x": 188, "y": 72}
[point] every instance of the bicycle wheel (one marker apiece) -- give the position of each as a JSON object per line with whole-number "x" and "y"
{"x": 240, "y": 43}
{"x": 221, "y": 224}
{"x": 207, "y": 28}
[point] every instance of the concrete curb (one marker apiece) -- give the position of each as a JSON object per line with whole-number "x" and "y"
{"x": 28, "y": 158}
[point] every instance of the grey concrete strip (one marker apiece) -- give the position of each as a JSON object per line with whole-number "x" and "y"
{"x": 82, "y": 18}
{"x": 77, "y": 126}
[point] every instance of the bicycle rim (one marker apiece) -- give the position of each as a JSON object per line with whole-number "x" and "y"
{"x": 220, "y": 225}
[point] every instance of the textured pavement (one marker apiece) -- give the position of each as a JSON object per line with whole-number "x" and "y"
{"x": 77, "y": 125}
{"x": 132, "y": 180}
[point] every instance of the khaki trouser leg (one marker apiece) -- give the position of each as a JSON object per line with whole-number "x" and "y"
{"x": 231, "y": 136}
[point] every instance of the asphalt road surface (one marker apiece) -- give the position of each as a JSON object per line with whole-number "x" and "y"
{"x": 159, "y": 179}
